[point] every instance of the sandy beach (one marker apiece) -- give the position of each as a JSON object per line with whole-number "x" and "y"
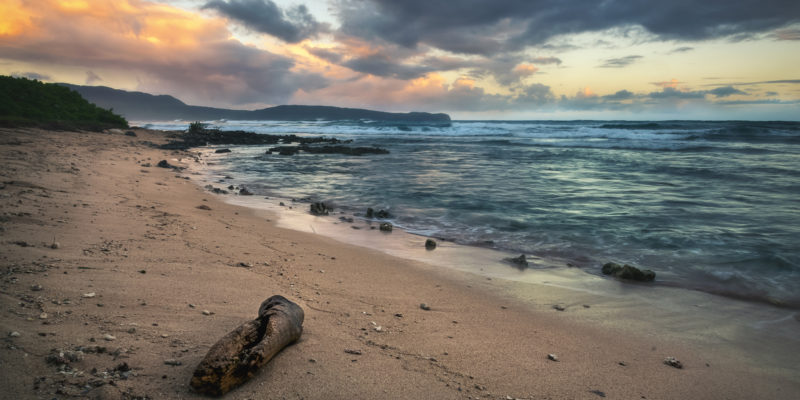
{"x": 142, "y": 270}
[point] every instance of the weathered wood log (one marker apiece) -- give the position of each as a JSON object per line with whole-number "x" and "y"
{"x": 238, "y": 355}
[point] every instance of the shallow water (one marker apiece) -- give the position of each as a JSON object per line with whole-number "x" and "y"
{"x": 707, "y": 205}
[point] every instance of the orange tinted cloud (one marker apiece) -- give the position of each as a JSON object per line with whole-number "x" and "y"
{"x": 167, "y": 49}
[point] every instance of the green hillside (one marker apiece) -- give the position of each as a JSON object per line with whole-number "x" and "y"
{"x": 25, "y": 102}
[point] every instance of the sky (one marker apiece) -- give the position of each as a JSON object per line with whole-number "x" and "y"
{"x": 473, "y": 59}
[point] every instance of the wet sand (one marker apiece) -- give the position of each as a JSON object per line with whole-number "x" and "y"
{"x": 169, "y": 279}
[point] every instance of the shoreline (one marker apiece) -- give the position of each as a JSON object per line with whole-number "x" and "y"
{"x": 113, "y": 218}
{"x": 556, "y": 275}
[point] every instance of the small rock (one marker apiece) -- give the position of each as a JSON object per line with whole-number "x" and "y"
{"x": 55, "y": 245}
{"x": 378, "y": 329}
{"x": 108, "y": 337}
{"x": 131, "y": 330}
{"x": 14, "y": 334}
{"x": 425, "y": 307}
{"x": 172, "y": 362}
{"x": 43, "y": 315}
{"x": 320, "y": 208}
{"x": 559, "y": 307}
{"x": 37, "y": 288}
{"x": 206, "y": 312}
{"x": 520, "y": 262}
{"x": 430, "y": 244}
{"x": 220, "y": 151}
{"x": 88, "y": 295}
{"x": 386, "y": 227}
{"x": 598, "y": 392}
{"x": 245, "y": 192}
{"x": 203, "y": 207}
{"x": 130, "y": 133}
{"x": 244, "y": 265}
{"x": 164, "y": 164}
{"x": 352, "y": 351}
{"x": 552, "y": 357}
{"x": 673, "y": 362}
{"x": 191, "y": 305}
{"x": 628, "y": 272}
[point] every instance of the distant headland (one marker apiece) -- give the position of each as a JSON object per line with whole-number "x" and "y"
{"x": 145, "y": 106}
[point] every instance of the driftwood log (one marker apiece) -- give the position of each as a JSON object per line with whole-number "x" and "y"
{"x": 238, "y": 355}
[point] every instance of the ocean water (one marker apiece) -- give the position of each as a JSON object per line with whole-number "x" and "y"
{"x": 713, "y": 206}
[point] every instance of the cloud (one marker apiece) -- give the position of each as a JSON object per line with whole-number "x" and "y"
{"x": 725, "y": 91}
{"x": 292, "y": 26}
{"x": 621, "y": 62}
{"x": 484, "y": 27}
{"x": 787, "y": 34}
{"x": 31, "y": 75}
{"x": 672, "y": 83}
{"x": 619, "y": 95}
{"x": 546, "y": 60}
{"x": 681, "y": 50}
{"x": 91, "y": 78}
{"x": 675, "y": 94}
{"x": 166, "y": 49}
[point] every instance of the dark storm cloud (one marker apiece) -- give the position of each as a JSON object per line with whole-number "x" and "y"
{"x": 292, "y": 25}
{"x": 620, "y": 62}
{"x": 384, "y": 66}
{"x": 490, "y": 27}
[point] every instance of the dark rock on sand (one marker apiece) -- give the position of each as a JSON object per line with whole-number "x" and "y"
{"x": 673, "y": 362}
{"x": 320, "y": 208}
{"x": 520, "y": 262}
{"x": 245, "y": 192}
{"x": 628, "y": 272}
{"x": 164, "y": 164}
{"x": 220, "y": 151}
{"x": 430, "y": 244}
{"x": 370, "y": 213}
{"x": 380, "y": 214}
{"x": 386, "y": 227}
{"x": 203, "y": 207}
{"x": 130, "y": 133}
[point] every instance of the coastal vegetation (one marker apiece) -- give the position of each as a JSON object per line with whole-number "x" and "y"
{"x": 26, "y": 102}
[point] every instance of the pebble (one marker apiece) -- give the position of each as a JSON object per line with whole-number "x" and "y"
{"x": 43, "y": 315}
{"x": 351, "y": 351}
{"x": 108, "y": 337}
{"x": 559, "y": 307}
{"x": 425, "y": 307}
{"x": 206, "y": 312}
{"x": 172, "y": 362}
{"x": 673, "y": 362}
{"x": 37, "y": 288}
{"x": 89, "y": 295}
{"x": 552, "y": 357}
{"x": 164, "y": 335}
{"x": 14, "y": 334}
{"x": 55, "y": 245}
{"x": 378, "y": 328}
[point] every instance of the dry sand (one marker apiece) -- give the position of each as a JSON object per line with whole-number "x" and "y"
{"x": 133, "y": 235}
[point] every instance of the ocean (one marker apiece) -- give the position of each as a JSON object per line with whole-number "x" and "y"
{"x": 711, "y": 206}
